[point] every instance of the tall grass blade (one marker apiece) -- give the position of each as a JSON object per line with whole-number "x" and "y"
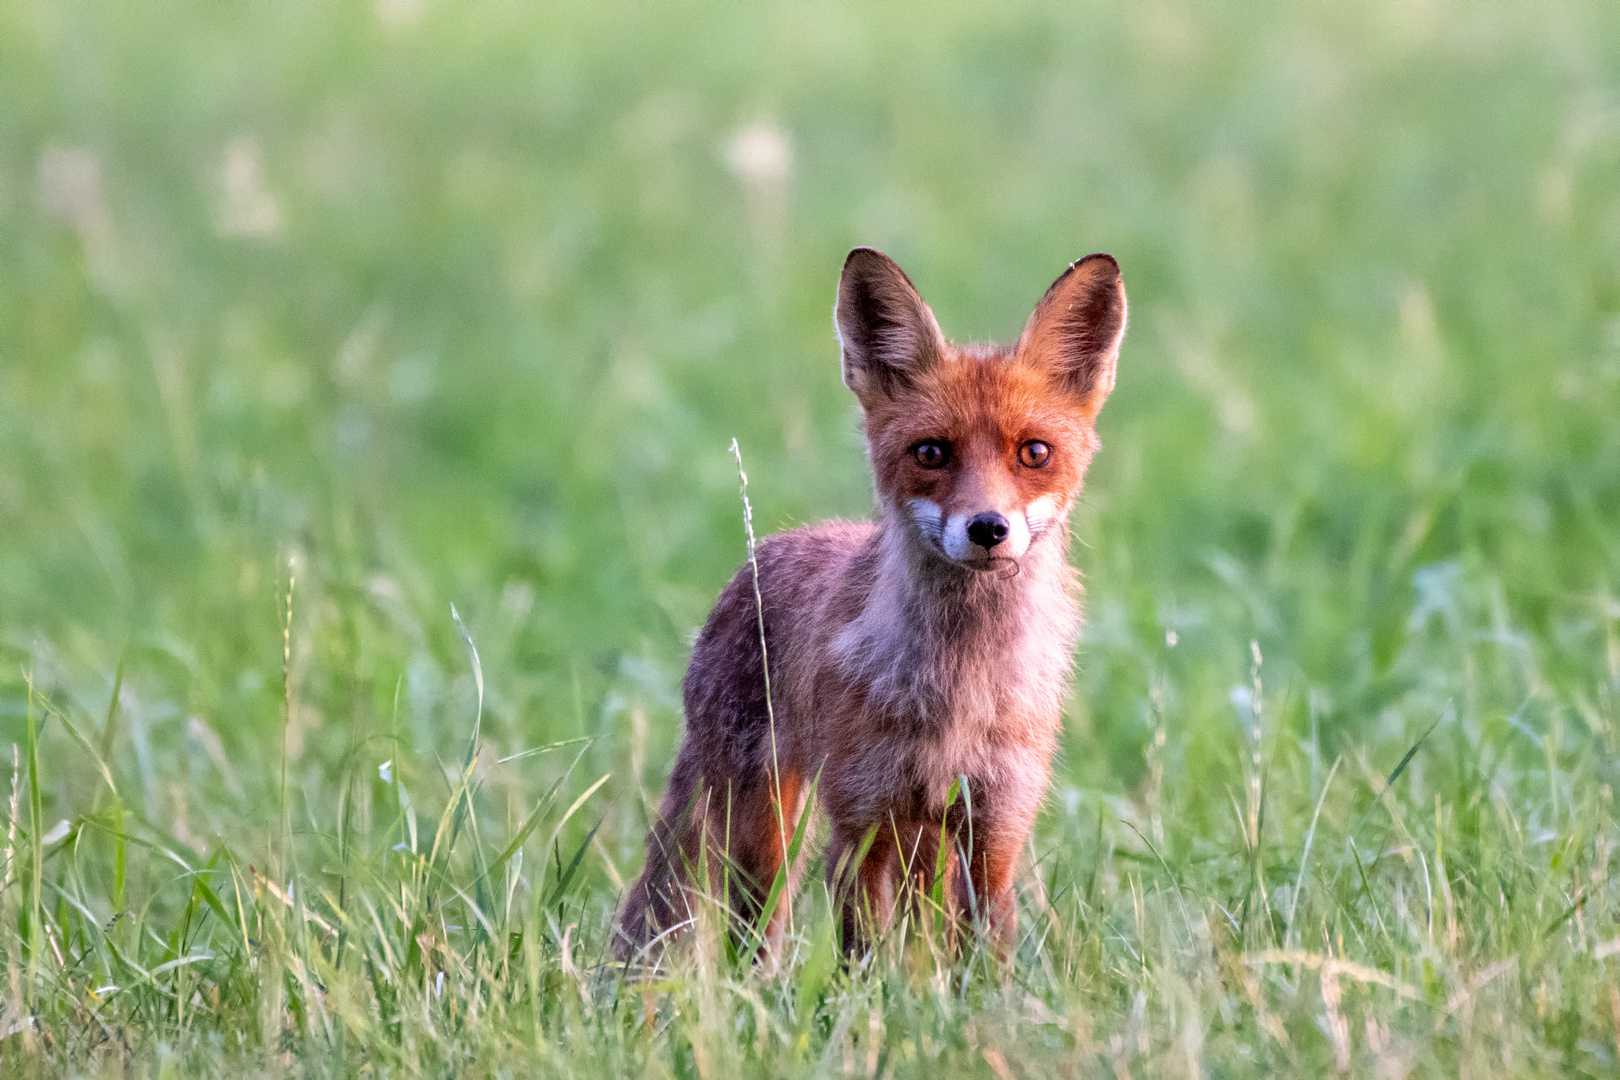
{"x": 946, "y": 842}
{"x": 1305, "y": 856}
{"x": 566, "y": 878}
{"x": 780, "y": 882}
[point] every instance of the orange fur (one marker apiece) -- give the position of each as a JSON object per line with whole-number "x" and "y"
{"x": 930, "y": 644}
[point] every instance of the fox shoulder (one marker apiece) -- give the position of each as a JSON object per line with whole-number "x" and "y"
{"x": 801, "y": 571}
{"x": 807, "y": 576}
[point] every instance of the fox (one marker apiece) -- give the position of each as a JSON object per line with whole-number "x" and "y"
{"x": 908, "y": 655}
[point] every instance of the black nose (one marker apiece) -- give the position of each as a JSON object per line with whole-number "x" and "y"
{"x": 987, "y": 529}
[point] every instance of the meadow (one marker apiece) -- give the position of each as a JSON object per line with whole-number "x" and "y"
{"x": 367, "y": 378}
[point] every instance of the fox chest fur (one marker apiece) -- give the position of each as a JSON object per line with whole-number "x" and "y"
{"x": 891, "y": 678}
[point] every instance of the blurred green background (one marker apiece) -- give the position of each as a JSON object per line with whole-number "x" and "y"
{"x": 441, "y": 303}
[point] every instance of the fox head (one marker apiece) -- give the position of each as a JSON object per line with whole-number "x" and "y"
{"x": 979, "y": 451}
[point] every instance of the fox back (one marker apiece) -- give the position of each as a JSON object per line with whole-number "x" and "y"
{"x": 930, "y": 646}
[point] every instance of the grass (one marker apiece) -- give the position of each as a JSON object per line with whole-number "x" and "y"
{"x": 318, "y": 319}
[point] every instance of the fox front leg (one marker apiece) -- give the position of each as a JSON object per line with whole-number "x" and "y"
{"x": 864, "y": 890}
{"x": 988, "y": 889}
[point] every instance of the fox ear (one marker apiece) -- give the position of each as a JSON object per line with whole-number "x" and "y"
{"x": 1077, "y": 327}
{"x": 887, "y": 333}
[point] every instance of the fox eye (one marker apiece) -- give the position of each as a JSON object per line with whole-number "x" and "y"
{"x": 930, "y": 455}
{"x": 1034, "y": 454}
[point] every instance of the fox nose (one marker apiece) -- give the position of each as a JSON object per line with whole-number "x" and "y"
{"x": 987, "y": 529}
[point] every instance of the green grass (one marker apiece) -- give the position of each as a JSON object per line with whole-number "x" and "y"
{"x": 316, "y": 319}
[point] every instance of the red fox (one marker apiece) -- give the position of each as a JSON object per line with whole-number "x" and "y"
{"x": 931, "y": 644}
